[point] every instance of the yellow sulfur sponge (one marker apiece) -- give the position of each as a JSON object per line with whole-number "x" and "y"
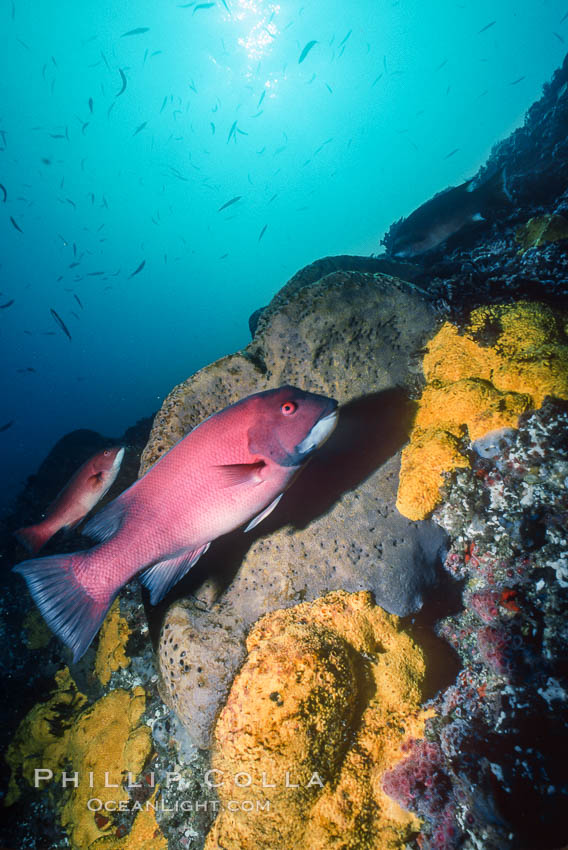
{"x": 314, "y": 718}
{"x": 505, "y": 361}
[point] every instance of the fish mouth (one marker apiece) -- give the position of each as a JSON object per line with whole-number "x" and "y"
{"x": 319, "y": 433}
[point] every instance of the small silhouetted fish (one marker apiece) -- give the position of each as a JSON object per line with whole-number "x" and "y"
{"x": 564, "y": 18}
{"x": 7, "y": 304}
{"x": 262, "y": 232}
{"x": 232, "y": 131}
{"x": 559, "y": 37}
{"x": 487, "y": 27}
{"x": 90, "y": 104}
{"x": 202, "y": 6}
{"x": 137, "y": 31}
{"x": 343, "y": 41}
{"x": 140, "y": 128}
{"x": 376, "y": 80}
{"x": 273, "y": 198}
{"x": 78, "y": 300}
{"x": 261, "y": 99}
{"x": 6, "y": 426}
{"x": 60, "y": 322}
{"x": 123, "y": 78}
{"x": 27, "y": 369}
{"x": 230, "y": 203}
{"x": 322, "y": 146}
{"x": 16, "y": 225}
{"x": 138, "y": 269}
{"x": 3, "y": 189}
{"x": 306, "y": 50}
{"x": 518, "y": 80}
{"x": 451, "y": 153}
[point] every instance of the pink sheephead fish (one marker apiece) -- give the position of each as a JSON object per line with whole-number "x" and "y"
{"x": 79, "y": 496}
{"x": 232, "y": 469}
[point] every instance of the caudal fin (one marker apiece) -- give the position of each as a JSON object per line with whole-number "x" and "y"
{"x": 33, "y": 537}
{"x": 66, "y": 607}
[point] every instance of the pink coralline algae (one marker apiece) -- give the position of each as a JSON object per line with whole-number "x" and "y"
{"x": 484, "y": 603}
{"x": 494, "y": 645}
{"x": 420, "y": 783}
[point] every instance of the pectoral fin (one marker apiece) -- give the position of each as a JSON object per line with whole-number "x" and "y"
{"x": 94, "y": 481}
{"x": 160, "y": 578}
{"x": 254, "y": 522}
{"x": 233, "y": 474}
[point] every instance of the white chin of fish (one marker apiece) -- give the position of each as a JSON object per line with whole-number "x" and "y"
{"x": 319, "y": 433}
{"x": 117, "y": 461}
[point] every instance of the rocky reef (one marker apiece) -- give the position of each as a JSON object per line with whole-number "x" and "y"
{"x": 489, "y": 768}
{"x": 520, "y": 250}
{"x": 382, "y": 662}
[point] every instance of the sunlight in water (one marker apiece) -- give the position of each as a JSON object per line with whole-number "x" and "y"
{"x": 263, "y": 30}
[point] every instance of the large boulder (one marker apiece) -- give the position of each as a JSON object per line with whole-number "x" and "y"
{"x": 354, "y": 336}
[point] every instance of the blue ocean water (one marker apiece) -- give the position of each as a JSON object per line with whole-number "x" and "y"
{"x": 125, "y": 127}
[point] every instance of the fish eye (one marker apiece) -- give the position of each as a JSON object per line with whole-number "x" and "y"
{"x": 106, "y": 452}
{"x": 288, "y": 408}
